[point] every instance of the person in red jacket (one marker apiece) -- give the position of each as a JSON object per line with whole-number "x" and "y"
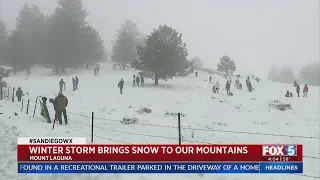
{"x": 305, "y": 90}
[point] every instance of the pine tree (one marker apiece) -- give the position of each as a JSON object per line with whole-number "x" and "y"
{"x": 273, "y": 74}
{"x": 30, "y": 28}
{"x": 3, "y": 38}
{"x": 226, "y": 65}
{"x": 197, "y": 63}
{"x": 309, "y": 74}
{"x": 124, "y": 48}
{"x": 285, "y": 75}
{"x": 66, "y": 35}
{"x": 164, "y": 54}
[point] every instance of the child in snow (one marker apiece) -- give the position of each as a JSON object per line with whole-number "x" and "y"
{"x": 134, "y": 80}
{"x": 305, "y": 90}
{"x": 137, "y": 80}
{"x": 298, "y": 90}
{"x": 217, "y": 86}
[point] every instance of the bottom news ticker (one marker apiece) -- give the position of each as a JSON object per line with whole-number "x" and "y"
{"x": 269, "y": 167}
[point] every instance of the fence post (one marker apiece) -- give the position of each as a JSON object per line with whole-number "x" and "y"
{"x": 13, "y": 94}
{"x": 179, "y": 128}
{"x": 35, "y": 106}
{"x": 22, "y": 105}
{"x": 28, "y": 106}
{"x": 92, "y": 128}
{"x": 1, "y": 97}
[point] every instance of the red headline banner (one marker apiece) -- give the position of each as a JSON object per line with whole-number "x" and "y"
{"x": 191, "y": 153}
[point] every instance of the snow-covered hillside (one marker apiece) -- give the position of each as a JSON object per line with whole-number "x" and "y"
{"x": 206, "y": 117}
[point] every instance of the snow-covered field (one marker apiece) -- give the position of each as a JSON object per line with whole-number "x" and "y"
{"x": 207, "y": 118}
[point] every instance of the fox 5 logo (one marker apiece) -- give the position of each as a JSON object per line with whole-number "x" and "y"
{"x": 279, "y": 150}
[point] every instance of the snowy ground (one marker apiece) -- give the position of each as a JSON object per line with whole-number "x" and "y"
{"x": 209, "y": 118}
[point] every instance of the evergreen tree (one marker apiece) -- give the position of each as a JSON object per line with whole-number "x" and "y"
{"x": 226, "y": 65}
{"x": 64, "y": 31}
{"x": 285, "y": 75}
{"x": 163, "y": 55}
{"x": 3, "y": 38}
{"x": 197, "y": 63}
{"x": 273, "y": 74}
{"x": 30, "y": 28}
{"x": 71, "y": 41}
{"x": 309, "y": 74}
{"x": 92, "y": 45}
{"x": 124, "y": 48}
{"x": 17, "y": 52}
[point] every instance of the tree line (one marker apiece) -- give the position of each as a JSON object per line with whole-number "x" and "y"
{"x": 308, "y": 74}
{"x": 63, "y": 39}
{"x": 160, "y": 55}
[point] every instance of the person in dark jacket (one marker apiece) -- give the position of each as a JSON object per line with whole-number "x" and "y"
{"x": 134, "y": 80}
{"x": 196, "y": 73}
{"x": 61, "y": 84}
{"x": 228, "y": 87}
{"x": 137, "y": 80}
{"x": 19, "y": 94}
{"x": 120, "y": 85}
{"x": 240, "y": 86}
{"x": 298, "y": 90}
{"x": 142, "y": 80}
{"x": 61, "y": 102}
{"x": 210, "y": 79}
{"x": 73, "y": 84}
{"x": 291, "y": 95}
{"x": 77, "y": 82}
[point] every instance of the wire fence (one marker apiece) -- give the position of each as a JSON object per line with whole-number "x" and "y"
{"x": 31, "y": 108}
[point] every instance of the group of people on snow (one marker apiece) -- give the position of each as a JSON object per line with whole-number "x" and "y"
{"x": 216, "y": 86}
{"x": 305, "y": 90}
{"x": 137, "y": 79}
{"x": 59, "y": 105}
{"x": 75, "y": 82}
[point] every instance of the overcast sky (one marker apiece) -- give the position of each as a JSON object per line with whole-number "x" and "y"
{"x": 255, "y": 33}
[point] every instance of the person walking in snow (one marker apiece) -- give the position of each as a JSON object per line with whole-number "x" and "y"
{"x": 137, "y": 80}
{"x": 98, "y": 69}
{"x": 240, "y": 86}
{"x": 227, "y": 87}
{"x": 230, "y": 81}
{"x": 305, "y": 90}
{"x": 217, "y": 86}
{"x": 77, "y": 82}
{"x": 73, "y": 84}
{"x": 214, "y": 89}
{"x": 196, "y": 73}
{"x": 134, "y": 80}
{"x": 61, "y": 102}
{"x": 142, "y": 81}
{"x": 298, "y": 90}
{"x": 61, "y": 85}
{"x": 210, "y": 78}
{"x": 120, "y": 85}
{"x": 19, "y": 94}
